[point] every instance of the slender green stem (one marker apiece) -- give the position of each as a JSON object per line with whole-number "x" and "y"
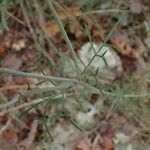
{"x": 26, "y": 104}
{"x": 66, "y": 38}
{"x": 34, "y": 92}
{"x": 105, "y": 41}
{"x": 41, "y": 22}
{"x": 87, "y": 86}
{"x": 45, "y": 122}
{"x": 103, "y": 11}
{"x": 67, "y": 14}
{"x": 110, "y": 94}
{"x": 14, "y": 100}
{"x": 38, "y": 46}
{"x": 60, "y": 87}
{"x": 34, "y": 75}
{"x": 3, "y": 13}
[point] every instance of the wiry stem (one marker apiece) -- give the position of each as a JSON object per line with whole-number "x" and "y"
{"x": 104, "y": 42}
{"x": 36, "y": 101}
{"x": 87, "y": 86}
{"x": 13, "y": 101}
{"x": 39, "y": 48}
{"x": 33, "y": 75}
{"x": 66, "y": 38}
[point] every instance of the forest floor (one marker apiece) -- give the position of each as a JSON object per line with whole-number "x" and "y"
{"x": 33, "y": 42}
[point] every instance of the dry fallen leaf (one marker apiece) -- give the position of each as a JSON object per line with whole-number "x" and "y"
{"x": 84, "y": 144}
{"x": 108, "y": 144}
{"x": 2, "y": 50}
{"x": 78, "y": 33}
{"x": 51, "y": 28}
{"x": 125, "y": 49}
{"x": 98, "y": 35}
{"x": 8, "y": 139}
{"x": 73, "y": 10}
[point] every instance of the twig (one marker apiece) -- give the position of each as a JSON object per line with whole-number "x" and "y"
{"x": 110, "y": 94}
{"x": 66, "y": 38}
{"x": 36, "y": 101}
{"x": 14, "y": 100}
{"x": 41, "y": 23}
{"x": 5, "y": 127}
{"x": 105, "y": 41}
{"x": 103, "y": 11}
{"x": 87, "y": 86}
{"x": 34, "y": 35}
{"x": 15, "y": 18}
{"x": 33, "y": 75}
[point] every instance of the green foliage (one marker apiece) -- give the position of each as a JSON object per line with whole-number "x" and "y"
{"x": 4, "y": 6}
{"x": 82, "y": 85}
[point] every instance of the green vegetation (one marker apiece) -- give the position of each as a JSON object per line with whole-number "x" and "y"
{"x": 123, "y": 96}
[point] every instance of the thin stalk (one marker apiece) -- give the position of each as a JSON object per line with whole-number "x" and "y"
{"x": 34, "y": 92}
{"x": 86, "y": 85}
{"x": 34, "y": 35}
{"x": 14, "y": 100}
{"x": 60, "y": 87}
{"x": 105, "y": 41}
{"x": 12, "y": 16}
{"x": 110, "y": 94}
{"x": 3, "y": 13}
{"x": 66, "y": 38}
{"x": 34, "y": 75}
{"x": 36, "y": 101}
{"x": 68, "y": 15}
{"x": 45, "y": 122}
{"x": 41, "y": 23}
{"x": 103, "y": 11}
